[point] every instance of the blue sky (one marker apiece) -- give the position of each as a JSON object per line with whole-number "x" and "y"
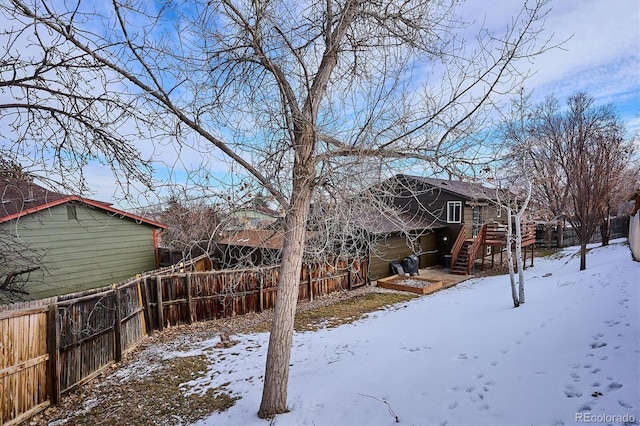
{"x": 600, "y": 57}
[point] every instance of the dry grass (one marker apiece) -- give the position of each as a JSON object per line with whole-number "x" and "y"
{"x": 161, "y": 396}
{"x": 341, "y": 313}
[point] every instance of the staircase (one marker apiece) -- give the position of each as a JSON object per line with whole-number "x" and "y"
{"x": 461, "y": 265}
{"x": 464, "y": 252}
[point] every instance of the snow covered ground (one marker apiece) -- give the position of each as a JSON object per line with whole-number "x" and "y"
{"x": 464, "y": 356}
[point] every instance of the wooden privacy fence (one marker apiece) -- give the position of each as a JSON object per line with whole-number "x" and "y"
{"x": 48, "y": 349}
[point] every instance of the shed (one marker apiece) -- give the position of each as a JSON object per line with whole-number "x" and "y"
{"x": 80, "y": 243}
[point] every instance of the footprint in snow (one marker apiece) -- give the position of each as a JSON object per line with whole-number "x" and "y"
{"x": 463, "y": 356}
{"x": 575, "y": 377}
{"x": 614, "y": 386}
{"x": 584, "y": 408}
{"x": 596, "y": 345}
{"x": 453, "y": 405}
{"x": 571, "y": 392}
{"x": 625, "y": 404}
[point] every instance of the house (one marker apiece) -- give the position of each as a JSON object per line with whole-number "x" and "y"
{"x": 465, "y": 219}
{"x": 442, "y": 222}
{"x": 251, "y": 247}
{"x": 255, "y": 214}
{"x": 75, "y": 243}
{"x": 393, "y": 237}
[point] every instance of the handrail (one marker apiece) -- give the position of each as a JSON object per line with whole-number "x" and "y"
{"x": 475, "y": 246}
{"x": 457, "y": 245}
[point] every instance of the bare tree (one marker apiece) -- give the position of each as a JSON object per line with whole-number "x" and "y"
{"x": 290, "y": 92}
{"x": 576, "y": 154}
{"x": 622, "y": 167}
{"x": 18, "y": 259}
{"x": 193, "y": 226}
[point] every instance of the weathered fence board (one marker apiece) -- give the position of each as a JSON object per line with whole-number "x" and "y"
{"x": 48, "y": 349}
{"x": 23, "y": 364}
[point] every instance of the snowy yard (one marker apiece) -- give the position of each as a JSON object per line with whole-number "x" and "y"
{"x": 464, "y": 356}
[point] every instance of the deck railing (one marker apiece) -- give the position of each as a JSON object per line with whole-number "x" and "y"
{"x": 457, "y": 245}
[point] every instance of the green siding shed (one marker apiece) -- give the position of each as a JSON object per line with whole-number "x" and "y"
{"x": 82, "y": 244}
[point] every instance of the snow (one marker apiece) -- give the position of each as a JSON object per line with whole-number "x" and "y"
{"x": 464, "y": 355}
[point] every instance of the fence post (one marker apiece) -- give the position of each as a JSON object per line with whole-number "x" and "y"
{"x": 53, "y": 341}
{"x": 189, "y": 299}
{"x": 260, "y": 293}
{"x": 159, "y": 305}
{"x": 310, "y": 282}
{"x": 147, "y": 306}
{"x": 117, "y": 327}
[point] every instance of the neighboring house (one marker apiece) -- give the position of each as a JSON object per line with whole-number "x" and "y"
{"x": 254, "y": 217}
{"x": 252, "y": 247}
{"x": 81, "y": 243}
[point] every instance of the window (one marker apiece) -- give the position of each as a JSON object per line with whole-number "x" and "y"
{"x": 498, "y": 211}
{"x": 71, "y": 213}
{"x": 454, "y": 211}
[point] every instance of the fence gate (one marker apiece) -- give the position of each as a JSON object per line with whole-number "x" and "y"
{"x": 23, "y": 364}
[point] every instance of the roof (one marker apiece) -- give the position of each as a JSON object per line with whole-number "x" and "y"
{"x": 19, "y": 197}
{"x": 258, "y": 238}
{"x": 470, "y": 190}
{"x": 378, "y": 223}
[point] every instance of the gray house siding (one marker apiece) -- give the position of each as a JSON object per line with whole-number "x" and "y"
{"x": 395, "y": 248}
{"x": 88, "y": 249}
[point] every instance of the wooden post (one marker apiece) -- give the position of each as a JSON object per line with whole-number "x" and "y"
{"x": 146, "y": 312}
{"x": 348, "y": 277}
{"x": 117, "y": 327}
{"x": 189, "y": 299}
{"x": 159, "y": 301}
{"x": 533, "y": 249}
{"x": 310, "y": 282}
{"x": 53, "y": 343}
{"x": 260, "y": 293}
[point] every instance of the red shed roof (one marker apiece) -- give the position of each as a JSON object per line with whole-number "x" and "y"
{"x": 19, "y": 198}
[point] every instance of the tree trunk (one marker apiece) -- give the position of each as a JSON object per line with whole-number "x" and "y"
{"x": 583, "y": 255}
{"x": 560, "y": 236}
{"x": 276, "y": 377}
{"x": 512, "y": 276}
{"x": 605, "y": 230}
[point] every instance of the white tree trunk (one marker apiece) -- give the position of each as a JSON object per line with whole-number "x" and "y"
{"x": 519, "y": 261}
{"x": 512, "y": 275}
